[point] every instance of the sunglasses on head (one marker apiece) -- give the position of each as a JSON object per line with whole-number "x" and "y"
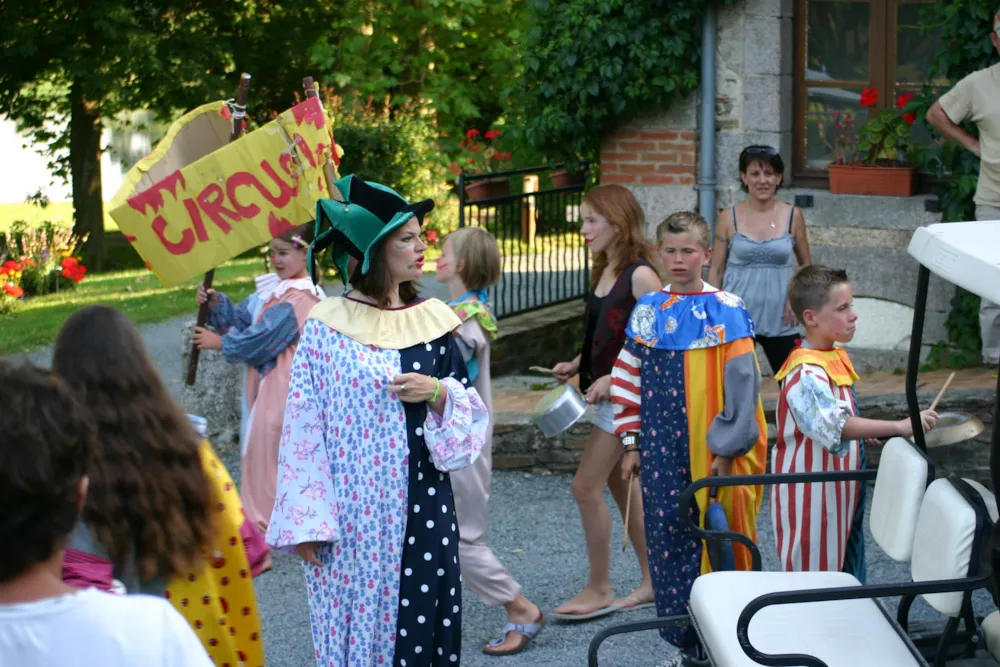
{"x": 761, "y": 150}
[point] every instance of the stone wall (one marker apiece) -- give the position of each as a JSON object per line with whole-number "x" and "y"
{"x": 216, "y": 394}
{"x": 542, "y": 337}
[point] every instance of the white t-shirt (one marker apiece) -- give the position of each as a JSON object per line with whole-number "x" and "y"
{"x": 95, "y": 628}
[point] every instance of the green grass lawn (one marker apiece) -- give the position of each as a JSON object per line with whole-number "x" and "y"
{"x": 138, "y": 293}
{"x": 58, "y": 212}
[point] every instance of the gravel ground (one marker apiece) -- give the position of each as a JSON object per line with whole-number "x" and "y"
{"x": 536, "y": 532}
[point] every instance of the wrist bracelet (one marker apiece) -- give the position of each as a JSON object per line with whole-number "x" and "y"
{"x": 437, "y": 390}
{"x": 629, "y": 450}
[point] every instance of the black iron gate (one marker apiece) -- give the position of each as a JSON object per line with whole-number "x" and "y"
{"x": 545, "y": 259}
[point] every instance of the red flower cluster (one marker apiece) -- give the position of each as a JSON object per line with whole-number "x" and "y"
{"x": 10, "y": 267}
{"x": 432, "y": 236}
{"x": 869, "y": 97}
{"x": 13, "y": 290}
{"x": 73, "y": 269}
{"x": 901, "y": 102}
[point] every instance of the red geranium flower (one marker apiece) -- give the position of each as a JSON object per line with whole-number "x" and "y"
{"x": 492, "y": 134}
{"x": 910, "y": 118}
{"x": 903, "y": 100}
{"x": 471, "y": 133}
{"x": 869, "y": 97}
{"x": 13, "y": 290}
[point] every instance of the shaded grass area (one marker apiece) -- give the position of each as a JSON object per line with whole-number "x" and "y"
{"x": 138, "y": 293}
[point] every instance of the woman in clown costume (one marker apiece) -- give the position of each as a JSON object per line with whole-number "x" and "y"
{"x": 379, "y": 412}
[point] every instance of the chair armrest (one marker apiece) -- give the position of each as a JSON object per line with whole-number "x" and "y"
{"x": 835, "y": 594}
{"x": 638, "y": 626}
{"x": 770, "y": 479}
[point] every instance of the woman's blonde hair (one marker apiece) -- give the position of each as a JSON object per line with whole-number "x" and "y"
{"x": 618, "y": 206}
{"x": 478, "y": 254}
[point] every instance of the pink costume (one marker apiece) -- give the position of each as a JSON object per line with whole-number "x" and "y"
{"x": 481, "y": 569}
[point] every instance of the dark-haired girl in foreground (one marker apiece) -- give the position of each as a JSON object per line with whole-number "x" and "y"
{"x": 160, "y": 507}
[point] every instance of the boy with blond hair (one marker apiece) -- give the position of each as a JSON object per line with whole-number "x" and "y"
{"x": 686, "y": 395}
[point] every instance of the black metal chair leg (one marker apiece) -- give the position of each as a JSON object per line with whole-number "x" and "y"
{"x": 903, "y": 613}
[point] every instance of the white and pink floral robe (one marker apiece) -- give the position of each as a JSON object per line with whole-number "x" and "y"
{"x": 367, "y": 475}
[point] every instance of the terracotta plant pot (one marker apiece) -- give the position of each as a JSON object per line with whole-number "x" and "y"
{"x": 487, "y": 189}
{"x": 564, "y": 179}
{"x": 867, "y": 179}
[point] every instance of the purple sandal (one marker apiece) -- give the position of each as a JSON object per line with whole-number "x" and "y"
{"x": 527, "y": 632}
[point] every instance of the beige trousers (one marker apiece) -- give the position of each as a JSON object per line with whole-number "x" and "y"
{"x": 989, "y": 312}
{"x": 481, "y": 569}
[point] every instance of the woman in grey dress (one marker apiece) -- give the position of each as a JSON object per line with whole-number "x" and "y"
{"x": 757, "y": 243}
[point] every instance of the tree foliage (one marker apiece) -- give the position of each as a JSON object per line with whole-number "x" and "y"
{"x": 965, "y": 36}
{"x": 590, "y": 64}
{"x": 68, "y": 66}
{"x": 454, "y": 56}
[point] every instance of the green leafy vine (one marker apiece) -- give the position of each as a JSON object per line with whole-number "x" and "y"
{"x": 964, "y": 26}
{"x": 589, "y": 65}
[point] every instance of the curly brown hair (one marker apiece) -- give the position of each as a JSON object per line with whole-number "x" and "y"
{"x": 149, "y": 496}
{"x": 618, "y": 206}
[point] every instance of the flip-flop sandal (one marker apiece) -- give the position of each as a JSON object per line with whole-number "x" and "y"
{"x": 527, "y": 632}
{"x": 589, "y": 616}
{"x": 633, "y": 607}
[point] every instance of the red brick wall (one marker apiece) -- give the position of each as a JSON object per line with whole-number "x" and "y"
{"x": 649, "y": 157}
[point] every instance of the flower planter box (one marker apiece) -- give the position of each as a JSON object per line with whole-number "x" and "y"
{"x": 866, "y": 179}
{"x": 487, "y": 189}
{"x": 564, "y": 179}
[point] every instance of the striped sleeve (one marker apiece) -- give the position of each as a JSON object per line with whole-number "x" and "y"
{"x": 626, "y": 389}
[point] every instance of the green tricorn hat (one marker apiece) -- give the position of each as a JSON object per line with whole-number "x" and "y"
{"x": 368, "y": 213}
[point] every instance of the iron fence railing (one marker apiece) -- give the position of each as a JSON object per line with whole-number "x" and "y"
{"x": 545, "y": 259}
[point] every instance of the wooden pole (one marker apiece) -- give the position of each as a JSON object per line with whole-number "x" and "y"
{"x": 238, "y": 114}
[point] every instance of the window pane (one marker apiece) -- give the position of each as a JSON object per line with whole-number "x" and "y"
{"x": 837, "y": 40}
{"x": 914, "y": 50}
{"x": 820, "y": 124}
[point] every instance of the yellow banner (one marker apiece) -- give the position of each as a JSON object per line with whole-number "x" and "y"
{"x": 229, "y": 199}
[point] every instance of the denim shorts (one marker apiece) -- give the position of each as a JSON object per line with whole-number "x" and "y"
{"x": 604, "y": 417}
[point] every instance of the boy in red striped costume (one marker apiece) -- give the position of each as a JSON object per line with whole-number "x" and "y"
{"x": 819, "y": 431}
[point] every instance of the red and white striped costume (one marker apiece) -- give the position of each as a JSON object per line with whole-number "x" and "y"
{"x": 812, "y": 522}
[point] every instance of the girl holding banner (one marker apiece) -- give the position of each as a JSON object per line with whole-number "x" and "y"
{"x": 265, "y": 341}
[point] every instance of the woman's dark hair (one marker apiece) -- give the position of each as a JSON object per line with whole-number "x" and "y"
{"x": 764, "y": 155}
{"x": 45, "y": 450}
{"x": 149, "y": 497}
{"x": 377, "y": 283}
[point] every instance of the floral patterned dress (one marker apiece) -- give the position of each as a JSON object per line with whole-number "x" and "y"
{"x": 366, "y": 475}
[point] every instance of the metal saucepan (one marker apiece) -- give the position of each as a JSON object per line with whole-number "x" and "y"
{"x": 952, "y": 428}
{"x": 559, "y": 409}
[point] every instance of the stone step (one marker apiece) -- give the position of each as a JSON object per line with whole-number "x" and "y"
{"x": 889, "y": 213}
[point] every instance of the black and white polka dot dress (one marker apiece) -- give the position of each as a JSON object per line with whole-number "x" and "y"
{"x": 429, "y": 631}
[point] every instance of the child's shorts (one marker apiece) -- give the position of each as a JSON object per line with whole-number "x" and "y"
{"x": 604, "y": 417}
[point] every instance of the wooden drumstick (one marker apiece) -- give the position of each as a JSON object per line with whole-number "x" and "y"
{"x": 941, "y": 393}
{"x": 628, "y": 508}
{"x": 540, "y": 369}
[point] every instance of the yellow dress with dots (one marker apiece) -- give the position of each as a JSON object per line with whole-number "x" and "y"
{"x": 218, "y": 601}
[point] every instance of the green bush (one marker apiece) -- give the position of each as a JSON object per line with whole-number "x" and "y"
{"x": 591, "y": 64}
{"x": 396, "y": 147}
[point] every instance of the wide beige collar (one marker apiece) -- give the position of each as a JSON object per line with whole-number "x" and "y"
{"x": 390, "y": 329}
